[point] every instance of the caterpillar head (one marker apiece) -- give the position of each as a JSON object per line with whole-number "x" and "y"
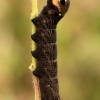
{"x": 61, "y": 5}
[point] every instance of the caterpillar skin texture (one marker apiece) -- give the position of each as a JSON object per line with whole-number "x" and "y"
{"x": 46, "y": 48}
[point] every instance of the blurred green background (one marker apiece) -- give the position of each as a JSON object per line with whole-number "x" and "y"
{"x": 78, "y": 40}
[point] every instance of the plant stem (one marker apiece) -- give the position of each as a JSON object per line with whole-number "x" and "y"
{"x": 33, "y": 65}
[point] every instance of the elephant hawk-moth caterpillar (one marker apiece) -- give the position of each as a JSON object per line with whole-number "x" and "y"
{"x": 46, "y": 48}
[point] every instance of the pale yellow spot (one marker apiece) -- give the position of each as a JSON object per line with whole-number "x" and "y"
{"x": 56, "y": 3}
{"x": 31, "y": 67}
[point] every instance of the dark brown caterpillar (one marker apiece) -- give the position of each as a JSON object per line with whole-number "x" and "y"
{"x": 46, "y": 48}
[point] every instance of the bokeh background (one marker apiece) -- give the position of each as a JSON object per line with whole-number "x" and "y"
{"x": 78, "y": 41}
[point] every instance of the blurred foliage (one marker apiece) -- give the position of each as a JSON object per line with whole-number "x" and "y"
{"x": 78, "y": 40}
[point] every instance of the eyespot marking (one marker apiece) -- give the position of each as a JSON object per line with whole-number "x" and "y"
{"x": 60, "y": 3}
{"x": 63, "y": 2}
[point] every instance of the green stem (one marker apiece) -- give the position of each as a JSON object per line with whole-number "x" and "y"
{"x": 33, "y": 65}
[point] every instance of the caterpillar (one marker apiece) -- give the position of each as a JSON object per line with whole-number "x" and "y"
{"x": 46, "y": 48}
